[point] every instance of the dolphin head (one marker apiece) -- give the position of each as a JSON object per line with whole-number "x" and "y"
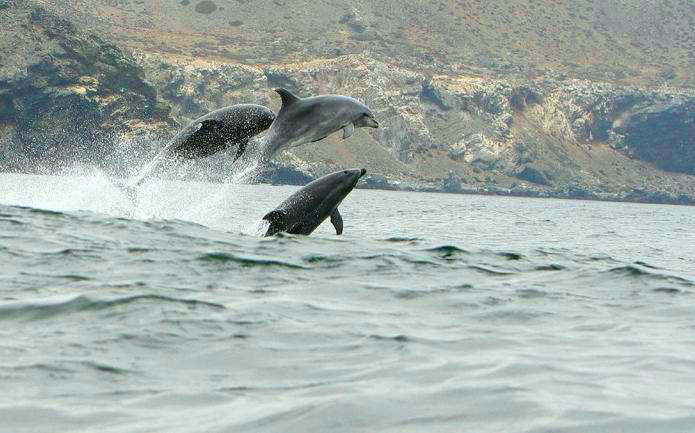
{"x": 365, "y": 118}
{"x": 330, "y": 190}
{"x": 260, "y": 118}
{"x": 345, "y": 181}
{"x": 351, "y": 177}
{"x": 266, "y": 119}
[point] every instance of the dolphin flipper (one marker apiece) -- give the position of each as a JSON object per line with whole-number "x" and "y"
{"x": 348, "y": 130}
{"x": 337, "y": 221}
{"x": 241, "y": 148}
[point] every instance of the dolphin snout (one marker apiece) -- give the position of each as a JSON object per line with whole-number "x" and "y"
{"x": 372, "y": 123}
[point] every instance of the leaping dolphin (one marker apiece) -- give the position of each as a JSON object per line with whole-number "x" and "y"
{"x": 307, "y": 120}
{"x": 209, "y": 134}
{"x": 307, "y": 208}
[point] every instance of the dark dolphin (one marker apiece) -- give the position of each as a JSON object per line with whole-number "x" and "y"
{"x": 210, "y": 134}
{"x": 307, "y": 208}
{"x": 221, "y": 129}
{"x": 306, "y": 120}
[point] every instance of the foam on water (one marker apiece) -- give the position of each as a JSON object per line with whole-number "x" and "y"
{"x": 82, "y": 187}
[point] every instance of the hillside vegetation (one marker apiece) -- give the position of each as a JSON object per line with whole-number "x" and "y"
{"x": 628, "y": 41}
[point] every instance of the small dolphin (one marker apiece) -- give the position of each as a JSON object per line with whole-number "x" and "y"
{"x": 307, "y": 208}
{"x": 307, "y": 120}
{"x": 211, "y": 133}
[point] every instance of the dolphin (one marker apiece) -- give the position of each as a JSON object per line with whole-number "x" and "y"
{"x": 210, "y": 134}
{"x": 307, "y": 120}
{"x": 220, "y": 129}
{"x": 307, "y": 208}
{"x": 205, "y": 136}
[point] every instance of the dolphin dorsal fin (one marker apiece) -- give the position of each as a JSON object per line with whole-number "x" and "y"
{"x": 287, "y": 97}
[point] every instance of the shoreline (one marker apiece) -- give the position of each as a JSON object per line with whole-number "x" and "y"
{"x": 647, "y": 197}
{"x": 674, "y": 202}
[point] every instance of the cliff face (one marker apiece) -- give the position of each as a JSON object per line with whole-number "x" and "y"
{"x": 65, "y": 95}
{"x": 545, "y": 136}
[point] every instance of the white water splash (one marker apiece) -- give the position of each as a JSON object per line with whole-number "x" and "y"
{"x": 221, "y": 205}
{"x": 259, "y": 229}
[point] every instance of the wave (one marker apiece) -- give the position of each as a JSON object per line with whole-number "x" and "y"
{"x": 49, "y": 308}
{"x": 247, "y": 261}
{"x": 642, "y": 272}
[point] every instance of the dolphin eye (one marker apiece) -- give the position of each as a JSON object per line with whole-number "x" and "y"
{"x": 345, "y": 172}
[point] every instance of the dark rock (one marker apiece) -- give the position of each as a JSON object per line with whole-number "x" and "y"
{"x": 451, "y": 183}
{"x": 206, "y": 7}
{"x": 578, "y": 191}
{"x": 533, "y": 175}
{"x": 662, "y": 133}
{"x": 642, "y": 195}
{"x": 353, "y": 21}
{"x": 377, "y": 181}
{"x": 431, "y": 95}
{"x": 283, "y": 175}
{"x": 280, "y": 78}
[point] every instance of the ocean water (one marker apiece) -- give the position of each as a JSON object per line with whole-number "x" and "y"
{"x": 433, "y": 313}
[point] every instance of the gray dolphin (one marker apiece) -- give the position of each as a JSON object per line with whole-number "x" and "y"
{"x": 212, "y": 133}
{"x": 205, "y": 136}
{"x": 221, "y": 129}
{"x": 307, "y": 208}
{"x": 306, "y": 120}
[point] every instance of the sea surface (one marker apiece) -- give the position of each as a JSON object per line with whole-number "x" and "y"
{"x": 433, "y": 313}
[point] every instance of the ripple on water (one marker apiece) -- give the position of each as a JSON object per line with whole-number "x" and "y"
{"x": 47, "y": 309}
{"x": 185, "y": 323}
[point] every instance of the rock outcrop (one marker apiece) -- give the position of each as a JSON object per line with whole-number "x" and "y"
{"x": 570, "y": 138}
{"x": 65, "y": 95}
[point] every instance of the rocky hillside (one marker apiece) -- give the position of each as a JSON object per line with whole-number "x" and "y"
{"x": 64, "y": 94}
{"x": 67, "y": 95}
{"x": 630, "y": 41}
{"x": 572, "y": 138}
